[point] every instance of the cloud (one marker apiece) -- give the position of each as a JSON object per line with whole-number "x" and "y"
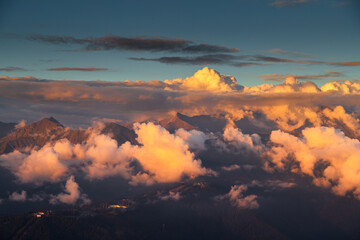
{"x": 11, "y": 69}
{"x": 289, "y": 3}
{"x": 211, "y": 59}
{"x": 262, "y": 58}
{"x": 234, "y": 60}
{"x": 323, "y": 153}
{"x": 18, "y": 197}
{"x": 195, "y": 139}
{"x": 244, "y": 143}
{"x": 23, "y": 196}
{"x": 281, "y": 77}
{"x": 342, "y": 88}
{"x": 289, "y": 85}
{"x": 135, "y": 44}
{"x": 38, "y": 167}
{"x": 205, "y": 79}
{"x": 171, "y": 196}
{"x": 89, "y": 69}
{"x": 238, "y": 199}
{"x": 104, "y": 158}
{"x": 284, "y": 52}
{"x": 289, "y": 104}
{"x": 21, "y": 124}
{"x": 72, "y": 194}
{"x": 272, "y": 184}
{"x": 161, "y": 157}
{"x": 164, "y": 156}
{"x": 231, "y": 168}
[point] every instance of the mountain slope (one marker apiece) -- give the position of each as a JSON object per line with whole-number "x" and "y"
{"x": 46, "y": 130}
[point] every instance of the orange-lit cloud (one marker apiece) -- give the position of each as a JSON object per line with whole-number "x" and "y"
{"x": 164, "y": 156}
{"x": 72, "y": 194}
{"x": 205, "y": 79}
{"x": 161, "y": 157}
{"x": 326, "y": 146}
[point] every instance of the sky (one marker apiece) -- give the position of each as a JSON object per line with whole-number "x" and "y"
{"x": 159, "y": 40}
{"x": 261, "y": 82}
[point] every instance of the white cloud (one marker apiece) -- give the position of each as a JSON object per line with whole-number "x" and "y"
{"x": 19, "y": 197}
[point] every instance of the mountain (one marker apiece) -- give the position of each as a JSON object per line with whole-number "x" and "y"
{"x": 6, "y": 128}
{"x": 120, "y": 133}
{"x": 176, "y": 122}
{"x": 214, "y": 123}
{"x": 39, "y": 133}
{"x": 46, "y": 130}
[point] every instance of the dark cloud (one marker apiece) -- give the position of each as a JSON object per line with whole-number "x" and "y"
{"x": 262, "y": 58}
{"x": 89, "y": 69}
{"x": 289, "y": 3}
{"x": 219, "y": 59}
{"x": 135, "y": 44}
{"x": 233, "y": 60}
{"x": 11, "y": 69}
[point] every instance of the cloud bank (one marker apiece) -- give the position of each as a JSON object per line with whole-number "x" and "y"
{"x": 161, "y": 157}
{"x": 323, "y": 153}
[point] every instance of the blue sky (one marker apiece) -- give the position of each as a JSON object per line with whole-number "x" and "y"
{"x": 325, "y": 31}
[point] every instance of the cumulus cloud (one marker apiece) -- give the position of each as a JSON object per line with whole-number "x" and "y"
{"x": 244, "y": 143}
{"x": 324, "y": 153}
{"x": 195, "y": 139}
{"x": 165, "y": 156}
{"x": 104, "y": 158}
{"x": 205, "y": 79}
{"x": 38, "y": 167}
{"x": 238, "y": 199}
{"x": 72, "y": 194}
{"x": 41, "y": 166}
{"x": 342, "y": 88}
{"x": 19, "y": 197}
{"x": 161, "y": 157}
{"x": 289, "y": 85}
